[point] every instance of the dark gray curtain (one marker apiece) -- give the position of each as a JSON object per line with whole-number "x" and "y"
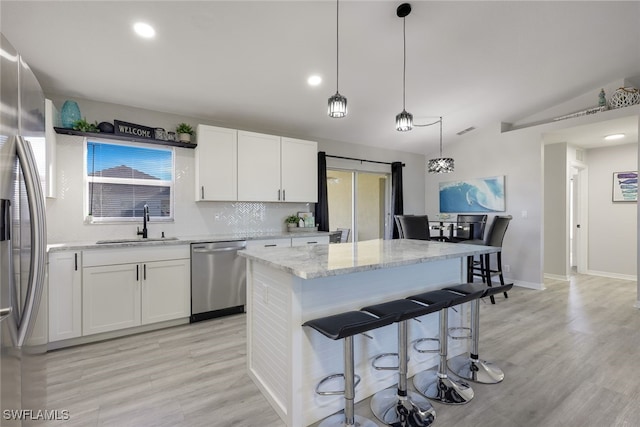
{"x": 397, "y": 203}
{"x": 322, "y": 207}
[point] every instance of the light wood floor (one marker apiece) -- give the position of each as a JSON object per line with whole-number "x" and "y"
{"x": 571, "y": 355}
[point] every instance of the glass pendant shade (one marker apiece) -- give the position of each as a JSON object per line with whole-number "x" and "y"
{"x": 337, "y": 106}
{"x": 440, "y": 165}
{"x": 404, "y": 121}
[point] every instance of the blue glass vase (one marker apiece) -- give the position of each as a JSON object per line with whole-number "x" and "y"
{"x": 70, "y": 114}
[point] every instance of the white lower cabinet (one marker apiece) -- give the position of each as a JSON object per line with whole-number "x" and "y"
{"x": 110, "y": 298}
{"x": 117, "y": 294}
{"x": 163, "y": 295}
{"x": 269, "y": 243}
{"x": 65, "y": 295}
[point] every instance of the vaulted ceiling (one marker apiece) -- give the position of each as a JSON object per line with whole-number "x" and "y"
{"x": 245, "y": 64}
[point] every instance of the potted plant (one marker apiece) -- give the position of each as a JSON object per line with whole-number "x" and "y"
{"x": 184, "y": 132}
{"x": 83, "y": 125}
{"x": 292, "y": 221}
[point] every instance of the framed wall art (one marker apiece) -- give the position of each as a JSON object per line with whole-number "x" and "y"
{"x": 625, "y": 186}
{"x": 473, "y": 195}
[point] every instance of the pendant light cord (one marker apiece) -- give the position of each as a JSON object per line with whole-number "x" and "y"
{"x": 441, "y": 136}
{"x": 404, "y": 61}
{"x": 337, "y": 43}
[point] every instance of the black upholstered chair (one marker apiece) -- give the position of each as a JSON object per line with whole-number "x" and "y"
{"x": 414, "y": 227}
{"x": 345, "y": 326}
{"x": 482, "y": 268}
{"x": 435, "y": 384}
{"x": 463, "y": 223}
{"x": 399, "y": 406}
{"x": 471, "y": 367}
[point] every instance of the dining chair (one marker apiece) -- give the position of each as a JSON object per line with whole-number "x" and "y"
{"x": 344, "y": 234}
{"x": 494, "y": 237}
{"x": 414, "y": 227}
{"x": 478, "y": 221}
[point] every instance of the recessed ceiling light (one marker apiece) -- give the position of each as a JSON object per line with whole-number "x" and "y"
{"x": 614, "y": 136}
{"x": 144, "y": 30}
{"x": 314, "y": 80}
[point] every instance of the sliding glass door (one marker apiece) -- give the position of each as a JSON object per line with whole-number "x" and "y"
{"x": 359, "y": 201}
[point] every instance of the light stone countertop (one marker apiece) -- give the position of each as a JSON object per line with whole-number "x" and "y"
{"x": 313, "y": 261}
{"x": 182, "y": 240}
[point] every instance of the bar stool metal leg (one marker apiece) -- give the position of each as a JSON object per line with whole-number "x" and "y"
{"x": 434, "y": 383}
{"x": 398, "y": 406}
{"x": 472, "y": 368}
{"x": 348, "y": 417}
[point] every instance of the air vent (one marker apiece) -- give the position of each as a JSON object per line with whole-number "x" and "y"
{"x": 467, "y": 130}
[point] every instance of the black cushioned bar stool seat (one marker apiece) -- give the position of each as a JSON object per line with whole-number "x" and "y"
{"x": 345, "y": 326}
{"x": 398, "y": 406}
{"x": 435, "y": 383}
{"x": 470, "y": 367}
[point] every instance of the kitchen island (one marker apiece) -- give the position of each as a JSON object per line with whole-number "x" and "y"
{"x": 288, "y": 286}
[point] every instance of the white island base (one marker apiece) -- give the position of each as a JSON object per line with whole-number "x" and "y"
{"x": 288, "y": 286}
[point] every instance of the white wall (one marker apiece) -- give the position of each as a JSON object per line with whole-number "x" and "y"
{"x": 612, "y": 226}
{"x": 65, "y": 213}
{"x": 518, "y": 155}
{"x": 556, "y": 199}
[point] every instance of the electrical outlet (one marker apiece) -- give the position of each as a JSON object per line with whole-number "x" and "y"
{"x": 507, "y": 268}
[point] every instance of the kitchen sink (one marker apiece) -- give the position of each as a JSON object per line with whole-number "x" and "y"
{"x": 135, "y": 240}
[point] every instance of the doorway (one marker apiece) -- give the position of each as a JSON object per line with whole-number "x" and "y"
{"x": 360, "y": 202}
{"x": 578, "y": 223}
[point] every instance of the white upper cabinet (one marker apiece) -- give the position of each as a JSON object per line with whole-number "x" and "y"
{"x": 254, "y": 167}
{"x": 299, "y": 170}
{"x": 216, "y": 164}
{"x": 258, "y": 167}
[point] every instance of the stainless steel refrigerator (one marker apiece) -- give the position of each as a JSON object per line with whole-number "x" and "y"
{"x": 22, "y": 237}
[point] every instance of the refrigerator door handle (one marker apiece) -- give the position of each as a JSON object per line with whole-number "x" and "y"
{"x": 4, "y": 312}
{"x": 38, "y": 239}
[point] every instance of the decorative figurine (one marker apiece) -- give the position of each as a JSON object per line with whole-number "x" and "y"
{"x": 602, "y": 101}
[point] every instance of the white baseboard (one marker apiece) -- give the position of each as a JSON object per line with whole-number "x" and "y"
{"x": 612, "y": 275}
{"x": 528, "y": 285}
{"x": 556, "y": 277}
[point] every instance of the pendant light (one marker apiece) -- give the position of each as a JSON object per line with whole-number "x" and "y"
{"x": 337, "y": 103}
{"x": 404, "y": 120}
{"x": 441, "y": 164}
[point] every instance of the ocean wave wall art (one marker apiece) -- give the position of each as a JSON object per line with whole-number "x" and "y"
{"x": 473, "y": 195}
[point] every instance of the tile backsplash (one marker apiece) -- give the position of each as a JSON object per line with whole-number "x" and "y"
{"x": 65, "y": 213}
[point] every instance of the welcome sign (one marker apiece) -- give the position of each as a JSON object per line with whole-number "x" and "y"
{"x": 132, "y": 129}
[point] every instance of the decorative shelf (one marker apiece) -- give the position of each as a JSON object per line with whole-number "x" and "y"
{"x": 101, "y": 135}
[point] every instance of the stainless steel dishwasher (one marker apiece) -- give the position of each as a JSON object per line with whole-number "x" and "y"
{"x": 218, "y": 279}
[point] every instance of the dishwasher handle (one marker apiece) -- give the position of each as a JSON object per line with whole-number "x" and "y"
{"x": 211, "y": 251}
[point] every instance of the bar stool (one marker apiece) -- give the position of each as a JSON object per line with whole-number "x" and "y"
{"x": 400, "y": 407}
{"x": 470, "y": 367}
{"x": 435, "y": 383}
{"x": 345, "y": 326}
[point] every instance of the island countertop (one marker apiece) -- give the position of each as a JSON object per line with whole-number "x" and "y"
{"x": 314, "y": 261}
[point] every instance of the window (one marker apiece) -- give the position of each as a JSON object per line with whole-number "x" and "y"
{"x": 121, "y": 179}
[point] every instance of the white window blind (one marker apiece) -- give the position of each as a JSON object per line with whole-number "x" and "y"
{"x": 121, "y": 179}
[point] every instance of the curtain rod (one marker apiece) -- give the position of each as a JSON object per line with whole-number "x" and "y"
{"x": 360, "y": 160}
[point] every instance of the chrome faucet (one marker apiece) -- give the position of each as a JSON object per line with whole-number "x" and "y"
{"x": 145, "y": 218}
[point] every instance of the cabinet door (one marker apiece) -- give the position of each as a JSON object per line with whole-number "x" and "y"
{"x": 216, "y": 164}
{"x": 110, "y": 298}
{"x": 269, "y": 243}
{"x": 65, "y": 295}
{"x": 166, "y": 290}
{"x": 299, "y": 166}
{"x": 315, "y": 240}
{"x": 258, "y": 167}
